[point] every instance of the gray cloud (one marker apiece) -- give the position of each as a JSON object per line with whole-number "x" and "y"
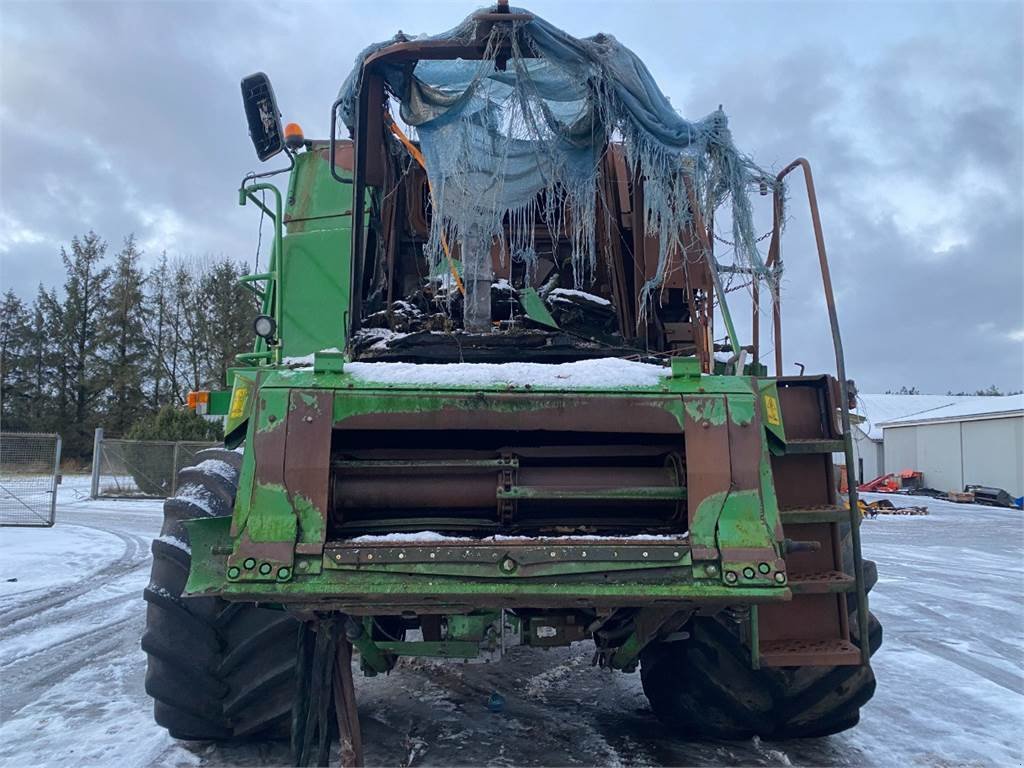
{"x": 126, "y": 117}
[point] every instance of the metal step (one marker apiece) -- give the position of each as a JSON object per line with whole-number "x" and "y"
{"x": 821, "y": 582}
{"x": 809, "y": 653}
{"x": 816, "y": 445}
{"x": 824, "y": 514}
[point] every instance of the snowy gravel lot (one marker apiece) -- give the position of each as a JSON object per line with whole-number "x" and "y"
{"x": 950, "y": 671}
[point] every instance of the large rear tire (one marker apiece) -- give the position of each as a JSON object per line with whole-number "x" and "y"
{"x": 704, "y": 687}
{"x": 216, "y": 670}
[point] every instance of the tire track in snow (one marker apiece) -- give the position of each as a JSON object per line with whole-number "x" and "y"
{"x": 130, "y": 560}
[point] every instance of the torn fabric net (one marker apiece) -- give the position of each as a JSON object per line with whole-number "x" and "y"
{"x": 517, "y": 138}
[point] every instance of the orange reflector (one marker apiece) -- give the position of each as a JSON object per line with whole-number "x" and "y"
{"x": 199, "y": 400}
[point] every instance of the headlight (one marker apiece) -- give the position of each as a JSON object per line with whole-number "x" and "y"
{"x": 265, "y": 327}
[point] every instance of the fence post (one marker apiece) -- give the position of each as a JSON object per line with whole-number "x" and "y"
{"x": 97, "y": 448}
{"x": 56, "y": 480}
{"x": 174, "y": 470}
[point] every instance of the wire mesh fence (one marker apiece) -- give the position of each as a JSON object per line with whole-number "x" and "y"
{"x": 140, "y": 468}
{"x": 29, "y": 474}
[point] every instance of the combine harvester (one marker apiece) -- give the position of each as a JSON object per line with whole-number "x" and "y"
{"x": 486, "y": 408}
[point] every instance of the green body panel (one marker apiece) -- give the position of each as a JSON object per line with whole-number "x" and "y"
{"x": 275, "y": 549}
{"x": 316, "y": 268}
{"x": 267, "y": 512}
{"x": 315, "y": 200}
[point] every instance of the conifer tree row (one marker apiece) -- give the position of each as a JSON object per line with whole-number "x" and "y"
{"x": 117, "y": 340}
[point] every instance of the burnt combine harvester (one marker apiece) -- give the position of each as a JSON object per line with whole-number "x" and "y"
{"x": 486, "y": 408}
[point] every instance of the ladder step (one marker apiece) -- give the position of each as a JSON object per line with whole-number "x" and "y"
{"x": 809, "y": 653}
{"x": 817, "y": 445}
{"x": 821, "y": 582}
{"x": 823, "y": 514}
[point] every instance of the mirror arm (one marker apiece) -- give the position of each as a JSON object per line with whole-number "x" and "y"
{"x": 252, "y": 175}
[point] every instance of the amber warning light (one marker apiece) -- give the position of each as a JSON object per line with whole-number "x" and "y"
{"x": 199, "y": 401}
{"x": 293, "y": 137}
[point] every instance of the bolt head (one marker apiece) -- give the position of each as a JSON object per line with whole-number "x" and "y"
{"x": 711, "y": 570}
{"x": 249, "y": 563}
{"x": 233, "y": 572}
{"x": 265, "y": 568}
{"x": 731, "y": 577}
{"x": 303, "y": 565}
{"x": 763, "y": 567}
{"x": 283, "y": 573}
{"x": 508, "y": 564}
{"x": 748, "y": 573}
{"x": 780, "y": 577}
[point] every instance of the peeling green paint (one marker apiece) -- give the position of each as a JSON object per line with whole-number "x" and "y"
{"x": 311, "y": 520}
{"x": 706, "y": 409}
{"x": 740, "y": 524}
{"x": 272, "y": 518}
{"x": 705, "y": 521}
{"x": 741, "y": 409}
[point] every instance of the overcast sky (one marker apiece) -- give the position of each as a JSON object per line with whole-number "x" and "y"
{"x": 126, "y": 117}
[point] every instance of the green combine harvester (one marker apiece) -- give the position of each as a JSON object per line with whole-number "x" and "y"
{"x": 487, "y": 407}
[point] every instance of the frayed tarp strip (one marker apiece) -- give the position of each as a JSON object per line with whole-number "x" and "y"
{"x": 524, "y": 144}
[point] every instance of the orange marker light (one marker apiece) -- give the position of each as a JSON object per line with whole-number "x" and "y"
{"x": 199, "y": 401}
{"x": 293, "y": 137}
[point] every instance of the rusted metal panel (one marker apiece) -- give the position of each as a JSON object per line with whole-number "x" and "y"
{"x": 802, "y": 481}
{"x": 511, "y": 412}
{"x": 307, "y": 465}
{"x": 376, "y": 163}
{"x": 806, "y": 561}
{"x": 805, "y": 617}
{"x": 745, "y": 444}
{"x": 819, "y": 653}
{"x": 708, "y": 474}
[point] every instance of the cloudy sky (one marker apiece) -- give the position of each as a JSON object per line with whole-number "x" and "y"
{"x": 126, "y": 117}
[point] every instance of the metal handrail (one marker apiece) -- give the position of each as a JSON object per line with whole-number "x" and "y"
{"x": 837, "y": 343}
{"x": 275, "y": 272}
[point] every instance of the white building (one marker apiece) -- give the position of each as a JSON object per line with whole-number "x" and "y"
{"x": 977, "y": 440}
{"x": 872, "y": 410}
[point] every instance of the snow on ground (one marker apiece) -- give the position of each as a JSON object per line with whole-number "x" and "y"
{"x": 950, "y": 671}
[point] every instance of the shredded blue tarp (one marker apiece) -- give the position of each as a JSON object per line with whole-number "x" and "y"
{"x": 525, "y": 143}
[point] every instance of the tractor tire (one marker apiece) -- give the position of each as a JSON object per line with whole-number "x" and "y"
{"x": 216, "y": 670}
{"x": 704, "y": 687}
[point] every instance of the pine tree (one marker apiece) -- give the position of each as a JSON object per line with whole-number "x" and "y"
{"x": 125, "y": 341}
{"x": 226, "y": 325}
{"x": 38, "y": 363}
{"x": 158, "y": 297}
{"x": 14, "y": 325}
{"x": 85, "y": 289}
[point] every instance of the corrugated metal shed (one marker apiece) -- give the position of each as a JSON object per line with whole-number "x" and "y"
{"x": 979, "y": 440}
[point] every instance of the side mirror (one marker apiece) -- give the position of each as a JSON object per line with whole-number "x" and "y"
{"x": 263, "y": 116}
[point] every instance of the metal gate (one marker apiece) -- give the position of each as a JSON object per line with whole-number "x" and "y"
{"x": 140, "y": 468}
{"x": 29, "y": 475}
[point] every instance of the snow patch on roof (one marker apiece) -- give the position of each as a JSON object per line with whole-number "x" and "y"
{"x": 604, "y": 373}
{"x": 876, "y": 409}
{"x": 965, "y": 408}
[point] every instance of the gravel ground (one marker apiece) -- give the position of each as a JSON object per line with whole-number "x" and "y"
{"x": 950, "y": 672}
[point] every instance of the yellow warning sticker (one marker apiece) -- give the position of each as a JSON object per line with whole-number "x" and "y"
{"x": 771, "y": 411}
{"x": 238, "y": 400}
